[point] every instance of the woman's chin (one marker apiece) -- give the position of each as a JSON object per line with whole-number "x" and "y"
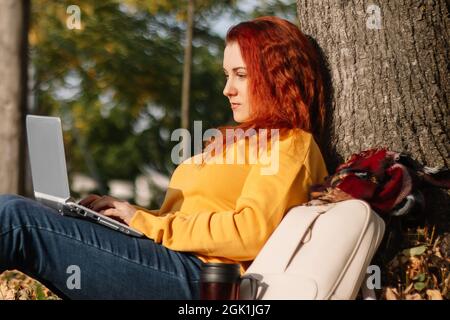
{"x": 239, "y": 118}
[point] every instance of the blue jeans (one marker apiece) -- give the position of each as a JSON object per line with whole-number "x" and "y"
{"x": 78, "y": 259}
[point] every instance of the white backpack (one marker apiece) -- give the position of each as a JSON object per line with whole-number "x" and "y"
{"x": 317, "y": 252}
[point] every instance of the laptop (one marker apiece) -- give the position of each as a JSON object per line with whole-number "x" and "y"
{"x": 49, "y": 173}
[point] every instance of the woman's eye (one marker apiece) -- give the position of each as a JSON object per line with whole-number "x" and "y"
{"x": 241, "y": 75}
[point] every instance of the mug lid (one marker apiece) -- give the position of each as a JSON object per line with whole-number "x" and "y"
{"x": 220, "y": 272}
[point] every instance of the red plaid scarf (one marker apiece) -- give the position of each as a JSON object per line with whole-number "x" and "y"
{"x": 381, "y": 177}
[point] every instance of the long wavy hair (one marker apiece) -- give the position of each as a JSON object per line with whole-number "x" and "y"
{"x": 286, "y": 88}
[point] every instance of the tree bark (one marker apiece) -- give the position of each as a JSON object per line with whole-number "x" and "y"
{"x": 390, "y": 84}
{"x": 388, "y": 81}
{"x": 13, "y": 40}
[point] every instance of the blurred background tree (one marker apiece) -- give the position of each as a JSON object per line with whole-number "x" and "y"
{"x": 13, "y": 93}
{"x": 116, "y": 80}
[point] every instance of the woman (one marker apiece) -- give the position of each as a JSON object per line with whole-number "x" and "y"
{"x": 212, "y": 212}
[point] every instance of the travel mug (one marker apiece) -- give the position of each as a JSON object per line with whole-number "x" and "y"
{"x": 220, "y": 281}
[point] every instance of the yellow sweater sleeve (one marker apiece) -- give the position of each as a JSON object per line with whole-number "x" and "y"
{"x": 236, "y": 234}
{"x": 154, "y": 212}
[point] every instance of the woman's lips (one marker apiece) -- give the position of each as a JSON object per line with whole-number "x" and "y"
{"x": 234, "y": 106}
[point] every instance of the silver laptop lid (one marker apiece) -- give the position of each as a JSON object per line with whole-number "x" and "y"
{"x": 47, "y": 158}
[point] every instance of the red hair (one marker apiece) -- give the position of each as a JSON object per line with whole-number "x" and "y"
{"x": 286, "y": 88}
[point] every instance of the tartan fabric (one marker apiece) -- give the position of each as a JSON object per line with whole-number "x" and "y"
{"x": 379, "y": 176}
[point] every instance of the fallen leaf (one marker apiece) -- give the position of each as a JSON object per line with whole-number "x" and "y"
{"x": 6, "y": 293}
{"x": 420, "y": 277}
{"x": 415, "y": 266}
{"x": 434, "y": 295}
{"x": 435, "y": 280}
{"x": 419, "y": 286}
{"x": 414, "y": 296}
{"x": 24, "y": 295}
{"x": 408, "y": 289}
{"x": 416, "y": 251}
{"x": 391, "y": 294}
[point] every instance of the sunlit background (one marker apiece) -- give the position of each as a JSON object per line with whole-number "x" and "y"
{"x": 115, "y": 79}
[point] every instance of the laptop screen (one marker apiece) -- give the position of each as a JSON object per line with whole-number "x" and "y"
{"x": 47, "y": 158}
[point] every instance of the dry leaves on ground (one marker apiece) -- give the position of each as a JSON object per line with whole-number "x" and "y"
{"x": 15, "y": 285}
{"x": 421, "y": 272}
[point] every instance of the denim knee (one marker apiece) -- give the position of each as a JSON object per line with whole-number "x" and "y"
{"x": 4, "y": 198}
{"x": 10, "y": 201}
{"x": 7, "y": 197}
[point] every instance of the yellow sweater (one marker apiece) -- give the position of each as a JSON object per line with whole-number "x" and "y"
{"x": 226, "y": 212}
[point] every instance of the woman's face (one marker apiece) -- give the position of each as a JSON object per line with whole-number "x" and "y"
{"x": 236, "y": 86}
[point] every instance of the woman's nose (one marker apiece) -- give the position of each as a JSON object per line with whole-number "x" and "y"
{"x": 229, "y": 89}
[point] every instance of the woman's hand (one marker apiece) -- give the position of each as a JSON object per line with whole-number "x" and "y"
{"x": 109, "y": 206}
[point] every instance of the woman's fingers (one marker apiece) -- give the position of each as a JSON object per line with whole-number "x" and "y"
{"x": 88, "y": 199}
{"x": 103, "y": 203}
{"x": 122, "y": 212}
{"x": 111, "y": 212}
{"x": 109, "y": 206}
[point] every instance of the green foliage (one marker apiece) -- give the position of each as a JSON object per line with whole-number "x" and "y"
{"x": 116, "y": 82}
{"x": 111, "y": 76}
{"x": 286, "y": 9}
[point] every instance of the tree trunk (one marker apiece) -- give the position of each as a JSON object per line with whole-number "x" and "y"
{"x": 13, "y": 44}
{"x": 390, "y": 84}
{"x": 187, "y": 66}
{"x": 387, "y": 78}
{"x": 388, "y": 71}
